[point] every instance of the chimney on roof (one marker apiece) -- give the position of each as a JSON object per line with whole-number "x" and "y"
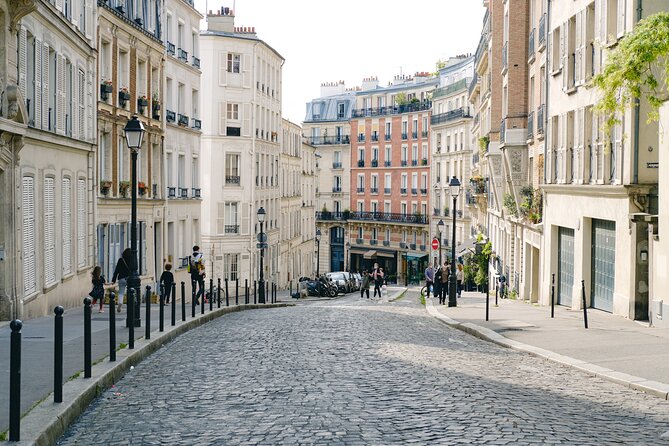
{"x": 223, "y": 22}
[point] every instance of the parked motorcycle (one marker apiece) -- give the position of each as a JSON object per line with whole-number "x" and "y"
{"x": 321, "y": 287}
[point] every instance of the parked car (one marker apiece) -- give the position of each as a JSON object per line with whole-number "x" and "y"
{"x": 343, "y": 280}
{"x": 358, "y": 280}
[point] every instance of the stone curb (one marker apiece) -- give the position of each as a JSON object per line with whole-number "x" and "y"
{"x": 654, "y": 388}
{"x": 45, "y": 423}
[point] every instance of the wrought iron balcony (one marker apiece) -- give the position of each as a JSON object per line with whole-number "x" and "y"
{"x": 375, "y": 136}
{"x": 171, "y": 192}
{"x": 530, "y": 125}
{"x": 392, "y": 110}
{"x": 403, "y": 190}
{"x": 196, "y": 192}
{"x": 361, "y": 137}
{"x": 542, "y": 30}
{"x": 336, "y": 189}
{"x": 183, "y": 120}
{"x": 462, "y": 112}
{"x": 540, "y": 119}
{"x": 359, "y": 241}
{"x": 170, "y": 116}
{"x": 197, "y": 124}
{"x": 530, "y": 44}
{"x": 423, "y": 191}
{"x": 414, "y": 162}
{"x": 386, "y": 243}
{"x": 373, "y": 242}
{"x": 183, "y": 55}
{"x": 196, "y": 62}
{"x": 412, "y": 246}
{"x": 372, "y": 216}
{"x": 403, "y": 163}
{"x": 361, "y": 190}
{"x": 361, "y": 163}
{"x": 422, "y": 247}
{"x": 183, "y": 192}
{"x": 387, "y": 137}
{"x": 171, "y": 49}
{"x": 232, "y": 229}
{"x": 328, "y": 140}
{"x": 374, "y": 190}
{"x": 375, "y": 163}
{"x": 414, "y": 191}
{"x": 387, "y": 163}
{"x": 405, "y": 136}
{"x": 387, "y": 190}
{"x": 336, "y": 165}
{"x": 232, "y": 179}
{"x": 414, "y": 135}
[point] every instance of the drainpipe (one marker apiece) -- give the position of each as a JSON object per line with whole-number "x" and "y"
{"x": 547, "y": 85}
{"x": 637, "y": 109}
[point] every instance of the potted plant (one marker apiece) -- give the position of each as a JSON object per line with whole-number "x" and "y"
{"x": 423, "y": 162}
{"x": 141, "y": 188}
{"x": 106, "y": 86}
{"x": 123, "y": 95}
{"x": 123, "y": 187}
{"x": 105, "y": 185}
{"x": 142, "y": 101}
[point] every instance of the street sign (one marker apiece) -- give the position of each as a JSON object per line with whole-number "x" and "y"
{"x": 435, "y": 244}
{"x": 262, "y": 237}
{"x": 261, "y": 245}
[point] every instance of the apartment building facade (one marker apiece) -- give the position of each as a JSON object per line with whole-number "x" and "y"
{"x": 240, "y": 148}
{"x": 131, "y": 62}
{"x": 48, "y": 149}
{"x": 327, "y": 127}
{"x": 181, "y": 155}
{"x": 452, "y": 152}
{"x": 599, "y": 187}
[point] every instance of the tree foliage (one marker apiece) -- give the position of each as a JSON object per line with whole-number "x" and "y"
{"x": 638, "y": 67}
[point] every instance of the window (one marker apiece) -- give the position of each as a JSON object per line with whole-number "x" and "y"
{"x": 233, "y": 111}
{"x": 341, "y": 107}
{"x": 231, "y": 266}
{"x": 231, "y": 218}
{"x": 81, "y": 222}
{"x": 66, "y": 204}
{"x": 49, "y": 232}
{"x": 232, "y": 166}
{"x": 388, "y": 129}
{"x": 388, "y": 156}
{"x": 234, "y": 63}
{"x": 29, "y": 267}
{"x": 195, "y": 173}
{"x": 181, "y": 171}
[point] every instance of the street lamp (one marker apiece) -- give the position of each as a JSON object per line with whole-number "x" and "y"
{"x": 454, "y": 186}
{"x": 440, "y": 226}
{"x": 318, "y": 252}
{"x": 134, "y": 134}
{"x": 261, "y": 240}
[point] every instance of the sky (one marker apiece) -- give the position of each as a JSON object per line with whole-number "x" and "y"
{"x": 328, "y": 41}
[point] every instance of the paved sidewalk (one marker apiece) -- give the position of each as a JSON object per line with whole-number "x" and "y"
{"x": 627, "y": 352}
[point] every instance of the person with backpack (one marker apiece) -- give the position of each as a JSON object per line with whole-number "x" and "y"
{"x": 166, "y": 280}
{"x": 197, "y": 274}
{"x": 378, "y": 277}
{"x": 122, "y": 271}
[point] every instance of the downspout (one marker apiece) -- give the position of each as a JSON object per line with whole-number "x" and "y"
{"x": 637, "y": 109}
{"x": 546, "y": 87}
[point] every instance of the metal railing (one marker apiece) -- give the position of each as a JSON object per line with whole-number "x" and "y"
{"x": 171, "y": 48}
{"x": 328, "y": 140}
{"x": 502, "y": 130}
{"x": 530, "y": 125}
{"x": 403, "y": 190}
{"x": 542, "y": 30}
{"x": 232, "y": 179}
{"x": 197, "y": 192}
{"x": 387, "y": 163}
{"x": 392, "y": 110}
{"x": 170, "y": 116}
{"x": 183, "y": 55}
{"x": 183, "y": 119}
{"x": 336, "y": 165}
{"x": 540, "y": 119}
{"x": 530, "y": 44}
{"x": 232, "y": 229}
{"x": 361, "y": 163}
{"x": 387, "y": 190}
{"x": 361, "y": 137}
{"x": 196, "y": 62}
{"x": 197, "y": 124}
{"x": 462, "y": 112}
{"x": 374, "y": 190}
{"x": 505, "y": 56}
{"x": 336, "y": 189}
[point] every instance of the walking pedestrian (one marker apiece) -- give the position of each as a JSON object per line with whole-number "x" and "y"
{"x": 429, "y": 279}
{"x": 98, "y": 291}
{"x": 378, "y": 279}
{"x": 445, "y": 276}
{"x": 438, "y": 275}
{"x": 166, "y": 280}
{"x": 364, "y": 286}
{"x": 460, "y": 277}
{"x": 122, "y": 271}
{"x": 196, "y": 269}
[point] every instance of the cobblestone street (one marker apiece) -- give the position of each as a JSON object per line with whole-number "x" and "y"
{"x": 351, "y": 371}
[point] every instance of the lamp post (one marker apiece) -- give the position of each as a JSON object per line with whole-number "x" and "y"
{"x": 261, "y": 240}
{"x": 134, "y": 134}
{"x": 454, "y": 186}
{"x": 318, "y": 252}
{"x": 347, "y": 253}
{"x": 440, "y": 226}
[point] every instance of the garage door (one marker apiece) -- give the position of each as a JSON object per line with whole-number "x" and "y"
{"x": 603, "y": 264}
{"x": 565, "y": 265}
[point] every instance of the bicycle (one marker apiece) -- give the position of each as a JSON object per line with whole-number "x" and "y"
{"x": 423, "y": 291}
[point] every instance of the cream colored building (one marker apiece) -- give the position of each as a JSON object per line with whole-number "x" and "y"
{"x": 599, "y": 188}
{"x": 48, "y": 156}
{"x": 658, "y": 246}
{"x": 241, "y": 128}
{"x": 181, "y": 155}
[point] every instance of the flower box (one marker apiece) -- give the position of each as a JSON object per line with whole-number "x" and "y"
{"x": 106, "y": 87}
{"x": 123, "y": 188}
{"x": 123, "y": 95}
{"x": 105, "y": 186}
{"x": 142, "y": 102}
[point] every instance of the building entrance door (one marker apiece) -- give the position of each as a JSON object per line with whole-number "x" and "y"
{"x": 603, "y": 264}
{"x": 565, "y": 265}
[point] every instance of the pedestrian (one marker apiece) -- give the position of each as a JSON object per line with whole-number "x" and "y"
{"x": 364, "y": 287}
{"x": 445, "y": 276}
{"x": 122, "y": 271}
{"x": 429, "y": 279}
{"x": 437, "y": 282}
{"x": 166, "y": 280}
{"x": 197, "y": 274}
{"x": 378, "y": 279}
{"x": 460, "y": 277}
{"x": 98, "y": 291}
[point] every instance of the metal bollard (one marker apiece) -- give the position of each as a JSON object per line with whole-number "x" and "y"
{"x": 237, "y": 292}
{"x": 112, "y": 327}
{"x": 291, "y": 288}
{"x": 227, "y": 294}
{"x": 183, "y": 301}
{"x": 211, "y": 294}
{"x": 254, "y": 292}
{"x": 275, "y": 290}
{"x": 147, "y": 299}
{"x": 246, "y": 291}
{"x": 174, "y": 304}
{"x": 87, "y": 337}
{"x": 496, "y": 293}
{"x": 15, "y": 380}
{"x": 218, "y": 293}
{"x": 585, "y": 308}
{"x": 192, "y": 298}
{"x": 202, "y": 299}
{"x": 161, "y": 322}
{"x": 58, "y": 355}
{"x": 552, "y": 295}
{"x": 131, "y": 312}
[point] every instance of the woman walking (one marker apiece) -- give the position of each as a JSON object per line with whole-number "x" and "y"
{"x": 122, "y": 271}
{"x": 364, "y": 287}
{"x": 460, "y": 277}
{"x": 98, "y": 291}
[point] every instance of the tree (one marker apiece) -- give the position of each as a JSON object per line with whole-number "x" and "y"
{"x": 638, "y": 67}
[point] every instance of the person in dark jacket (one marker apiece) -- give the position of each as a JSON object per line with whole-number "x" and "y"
{"x": 121, "y": 272}
{"x": 437, "y": 282}
{"x": 166, "y": 280}
{"x": 364, "y": 287}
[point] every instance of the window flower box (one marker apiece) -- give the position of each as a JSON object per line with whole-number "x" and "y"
{"x": 106, "y": 87}
{"x": 124, "y": 188}
{"x": 123, "y": 96}
{"x": 142, "y": 189}
{"x": 142, "y": 101}
{"x": 105, "y": 186}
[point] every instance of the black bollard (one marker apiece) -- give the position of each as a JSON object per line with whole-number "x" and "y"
{"x": 227, "y": 294}
{"x": 254, "y": 292}
{"x": 161, "y": 322}
{"x": 237, "y": 292}
{"x": 87, "y": 337}
{"x": 192, "y": 298}
{"x": 246, "y": 291}
{"x": 112, "y": 327}
{"x": 496, "y": 292}
{"x": 202, "y": 299}
{"x": 58, "y": 355}
{"x": 174, "y": 304}
{"x": 218, "y": 293}
{"x": 183, "y": 301}
{"x": 585, "y": 308}
{"x": 147, "y": 299}
{"x": 487, "y": 304}
{"x": 211, "y": 294}
{"x": 15, "y": 380}
{"x": 131, "y": 312}
{"x": 291, "y": 288}
{"x": 275, "y": 289}
{"x": 552, "y": 295}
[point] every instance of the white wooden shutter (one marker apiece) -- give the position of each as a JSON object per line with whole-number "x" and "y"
{"x": 23, "y": 61}
{"x": 222, "y": 68}
{"x": 45, "y": 86}
{"x": 59, "y": 5}
{"x": 220, "y": 219}
{"x": 579, "y": 48}
{"x": 246, "y": 71}
{"x": 28, "y": 203}
{"x": 49, "y": 232}
{"x": 564, "y": 54}
{"x": 246, "y": 120}
{"x": 80, "y": 105}
{"x": 246, "y": 218}
{"x": 588, "y": 38}
{"x": 60, "y": 93}
{"x": 37, "y": 106}
{"x": 222, "y": 118}
{"x": 66, "y": 204}
{"x": 81, "y": 222}
{"x": 603, "y": 28}
{"x": 622, "y": 9}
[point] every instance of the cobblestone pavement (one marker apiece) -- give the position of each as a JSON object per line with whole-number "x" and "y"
{"x": 357, "y": 372}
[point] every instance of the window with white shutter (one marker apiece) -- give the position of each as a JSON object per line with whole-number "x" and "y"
{"x": 46, "y": 87}
{"x": 81, "y": 222}
{"x": 23, "y": 60}
{"x": 66, "y": 204}
{"x": 49, "y": 232}
{"x": 29, "y": 264}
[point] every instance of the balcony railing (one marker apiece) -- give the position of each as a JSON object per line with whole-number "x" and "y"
{"x": 183, "y": 192}
{"x": 171, "y": 192}
{"x": 392, "y": 110}
{"x": 386, "y": 243}
{"x": 423, "y": 191}
{"x": 502, "y": 131}
{"x": 328, "y": 140}
{"x": 359, "y": 241}
{"x": 372, "y": 216}
{"x": 183, "y": 55}
{"x": 414, "y": 162}
{"x": 542, "y": 30}
{"x": 232, "y": 229}
{"x": 540, "y": 119}
{"x": 197, "y": 124}
{"x": 375, "y": 136}
{"x": 530, "y": 125}
{"x": 336, "y": 189}
{"x": 387, "y": 137}
{"x": 196, "y": 62}
{"x": 403, "y": 163}
{"x": 361, "y": 137}
{"x": 373, "y": 242}
{"x": 387, "y": 190}
{"x": 405, "y": 136}
{"x": 375, "y": 163}
{"x": 374, "y": 190}
{"x": 387, "y": 163}
{"x": 414, "y": 191}
{"x": 361, "y": 190}
{"x": 530, "y": 44}
{"x": 412, "y": 246}
{"x": 361, "y": 163}
{"x": 170, "y": 116}
{"x": 171, "y": 49}
{"x": 422, "y": 247}
{"x": 336, "y": 165}
{"x": 414, "y": 135}
{"x": 232, "y": 179}
{"x": 505, "y": 56}
{"x": 403, "y": 190}
{"x": 183, "y": 119}
{"x": 197, "y": 192}
{"x": 458, "y": 113}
